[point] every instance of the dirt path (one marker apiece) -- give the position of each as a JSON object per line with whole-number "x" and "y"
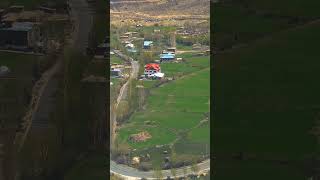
{"x": 39, "y": 90}
{"x": 122, "y": 93}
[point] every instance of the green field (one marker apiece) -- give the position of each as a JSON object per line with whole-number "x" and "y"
{"x": 22, "y": 69}
{"x": 175, "y": 110}
{"x": 115, "y": 60}
{"x": 92, "y": 167}
{"x": 236, "y": 24}
{"x": 287, "y": 7}
{"x": 192, "y": 63}
{"x": 266, "y": 101}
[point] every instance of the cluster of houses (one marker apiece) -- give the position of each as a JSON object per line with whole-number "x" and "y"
{"x": 16, "y": 33}
{"x": 20, "y": 29}
{"x": 101, "y": 51}
{"x": 127, "y": 39}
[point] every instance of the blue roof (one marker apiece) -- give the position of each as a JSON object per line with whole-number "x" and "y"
{"x": 20, "y": 26}
{"x": 147, "y": 43}
{"x": 167, "y": 56}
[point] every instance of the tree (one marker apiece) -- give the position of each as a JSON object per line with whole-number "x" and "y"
{"x": 185, "y": 171}
{"x": 158, "y": 173}
{"x": 194, "y": 167}
{"x": 173, "y": 161}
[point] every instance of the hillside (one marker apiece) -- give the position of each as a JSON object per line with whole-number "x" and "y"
{"x": 162, "y": 9}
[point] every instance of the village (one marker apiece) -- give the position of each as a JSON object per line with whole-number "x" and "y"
{"x": 167, "y": 55}
{"x": 132, "y": 42}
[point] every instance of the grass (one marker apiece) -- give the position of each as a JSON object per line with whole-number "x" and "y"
{"x": 235, "y": 20}
{"x": 115, "y": 59}
{"x": 92, "y": 167}
{"x": 192, "y": 64}
{"x": 170, "y": 111}
{"x": 182, "y": 47}
{"x": 265, "y": 99}
{"x": 21, "y": 67}
{"x": 287, "y": 7}
{"x": 251, "y": 169}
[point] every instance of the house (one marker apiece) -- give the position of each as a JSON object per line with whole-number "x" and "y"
{"x": 157, "y": 75}
{"x": 16, "y": 9}
{"x": 171, "y": 50}
{"x": 130, "y": 48}
{"x": 101, "y": 51}
{"x": 147, "y": 44}
{"x": 167, "y": 57}
{"x": 151, "y": 68}
{"x": 47, "y": 9}
{"x": 4, "y": 70}
{"x": 129, "y": 45}
{"x": 124, "y": 37}
{"x": 20, "y": 35}
{"x": 115, "y": 72}
{"x": 2, "y": 12}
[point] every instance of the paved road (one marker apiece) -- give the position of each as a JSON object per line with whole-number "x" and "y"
{"x": 132, "y": 173}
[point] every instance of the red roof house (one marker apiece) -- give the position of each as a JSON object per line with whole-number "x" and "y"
{"x": 152, "y": 68}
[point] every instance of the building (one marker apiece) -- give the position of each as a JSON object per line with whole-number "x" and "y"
{"x": 20, "y": 35}
{"x": 147, "y": 44}
{"x": 171, "y": 50}
{"x": 157, "y": 75}
{"x": 151, "y": 68}
{"x": 115, "y": 72}
{"x": 101, "y": 51}
{"x": 167, "y": 57}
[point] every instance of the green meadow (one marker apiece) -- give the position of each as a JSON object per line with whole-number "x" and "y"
{"x": 174, "y": 110}
{"x": 266, "y": 102}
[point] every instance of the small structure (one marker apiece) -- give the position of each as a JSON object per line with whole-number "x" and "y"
{"x": 16, "y": 9}
{"x": 171, "y": 50}
{"x": 135, "y": 160}
{"x": 115, "y": 72}
{"x": 196, "y": 46}
{"x": 157, "y": 75}
{"x": 167, "y": 57}
{"x": 2, "y": 11}
{"x": 47, "y": 9}
{"x": 151, "y": 68}
{"x": 156, "y": 30}
{"x": 101, "y": 51}
{"x": 130, "y": 45}
{"x": 130, "y": 48}
{"x": 147, "y": 44}
{"x": 4, "y": 70}
{"x": 124, "y": 37}
{"x": 20, "y": 35}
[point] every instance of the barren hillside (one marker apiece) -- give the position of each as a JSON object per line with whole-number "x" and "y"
{"x": 161, "y": 8}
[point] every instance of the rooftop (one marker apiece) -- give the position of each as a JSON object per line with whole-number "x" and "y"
{"x": 19, "y": 26}
{"x": 152, "y": 66}
{"x": 147, "y": 43}
{"x": 167, "y": 56}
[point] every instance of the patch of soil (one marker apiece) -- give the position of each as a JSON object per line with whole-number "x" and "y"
{"x": 140, "y": 137}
